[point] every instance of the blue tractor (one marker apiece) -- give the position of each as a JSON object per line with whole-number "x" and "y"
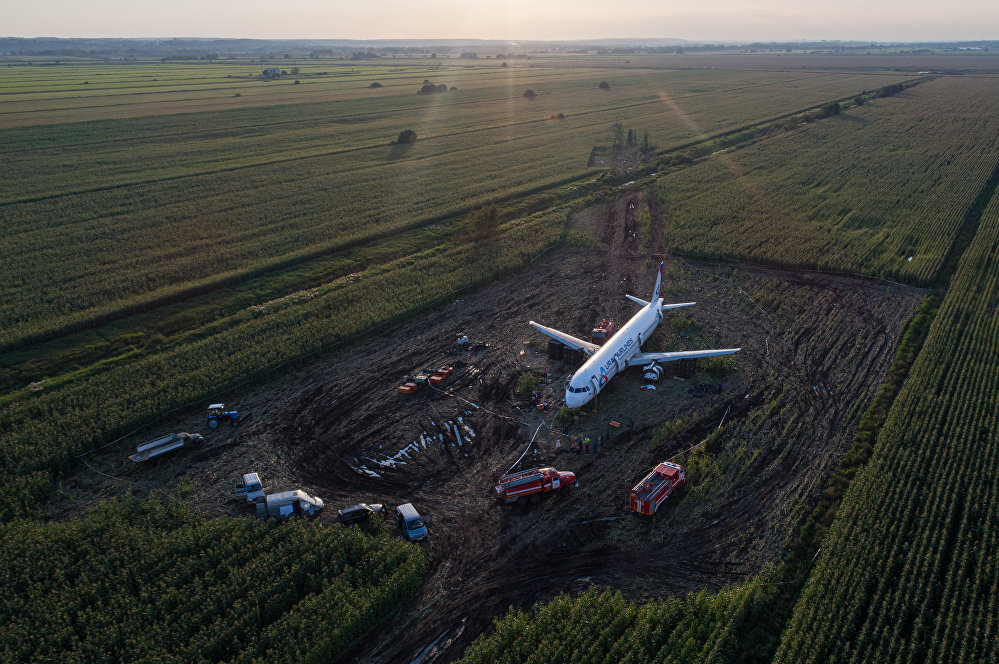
{"x": 217, "y": 413}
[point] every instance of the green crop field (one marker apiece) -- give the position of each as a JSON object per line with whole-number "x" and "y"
{"x": 909, "y": 569}
{"x": 136, "y": 580}
{"x": 881, "y": 190}
{"x": 198, "y": 198}
{"x": 599, "y": 628}
{"x": 172, "y": 230}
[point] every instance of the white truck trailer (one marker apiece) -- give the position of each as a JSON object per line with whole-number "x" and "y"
{"x": 160, "y": 446}
{"x": 282, "y": 506}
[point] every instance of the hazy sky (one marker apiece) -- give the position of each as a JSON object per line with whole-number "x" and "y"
{"x": 768, "y": 20}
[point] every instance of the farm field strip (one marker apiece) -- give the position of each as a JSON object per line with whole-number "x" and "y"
{"x": 908, "y": 566}
{"x": 836, "y": 198}
{"x": 276, "y": 208}
{"x": 254, "y": 92}
{"x": 450, "y": 113}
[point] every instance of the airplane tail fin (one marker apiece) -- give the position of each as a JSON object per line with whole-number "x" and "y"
{"x": 659, "y": 281}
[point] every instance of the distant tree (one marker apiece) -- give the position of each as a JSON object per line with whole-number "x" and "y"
{"x": 561, "y": 116}
{"x": 375, "y": 84}
{"x": 530, "y": 94}
{"x": 604, "y": 85}
{"x": 631, "y": 138}
{"x": 433, "y": 56}
{"x": 406, "y": 137}
{"x": 469, "y": 55}
{"x": 827, "y": 110}
{"x": 297, "y": 81}
{"x": 646, "y": 146}
{"x": 442, "y": 88}
{"x": 859, "y": 100}
{"x": 284, "y": 72}
{"x": 505, "y": 64}
{"x": 483, "y": 223}
{"x": 889, "y": 90}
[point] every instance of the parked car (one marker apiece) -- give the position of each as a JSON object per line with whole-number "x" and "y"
{"x": 359, "y": 512}
{"x": 411, "y": 522}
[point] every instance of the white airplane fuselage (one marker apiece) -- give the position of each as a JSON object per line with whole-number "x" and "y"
{"x": 622, "y": 349}
{"x": 613, "y": 356}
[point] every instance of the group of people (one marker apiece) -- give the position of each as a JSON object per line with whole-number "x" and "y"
{"x": 580, "y": 445}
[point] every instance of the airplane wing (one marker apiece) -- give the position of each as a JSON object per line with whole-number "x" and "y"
{"x": 639, "y": 359}
{"x": 567, "y": 339}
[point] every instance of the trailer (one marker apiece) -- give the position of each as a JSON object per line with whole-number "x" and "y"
{"x": 655, "y": 488}
{"x": 160, "y": 446}
{"x": 282, "y": 506}
{"x": 531, "y": 484}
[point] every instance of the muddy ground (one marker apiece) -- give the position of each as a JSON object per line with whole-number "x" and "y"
{"x": 815, "y": 348}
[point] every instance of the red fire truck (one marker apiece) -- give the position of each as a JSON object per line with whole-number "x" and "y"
{"x": 603, "y": 332}
{"x": 532, "y": 483}
{"x": 655, "y": 488}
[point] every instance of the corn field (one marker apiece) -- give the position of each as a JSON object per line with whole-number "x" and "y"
{"x": 881, "y": 190}
{"x": 139, "y": 581}
{"x": 909, "y": 571}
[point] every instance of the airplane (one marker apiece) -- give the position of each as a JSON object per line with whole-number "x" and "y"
{"x": 622, "y": 350}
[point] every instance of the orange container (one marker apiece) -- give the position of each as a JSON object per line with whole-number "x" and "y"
{"x": 436, "y": 380}
{"x": 615, "y": 424}
{"x": 405, "y": 389}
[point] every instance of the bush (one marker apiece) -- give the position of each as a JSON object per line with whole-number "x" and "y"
{"x": 830, "y": 109}
{"x": 375, "y": 84}
{"x": 566, "y": 414}
{"x": 526, "y": 384}
{"x": 719, "y": 365}
{"x": 604, "y": 85}
{"x": 406, "y": 136}
{"x": 530, "y": 94}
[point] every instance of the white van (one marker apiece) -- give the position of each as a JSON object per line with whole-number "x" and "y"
{"x": 411, "y": 522}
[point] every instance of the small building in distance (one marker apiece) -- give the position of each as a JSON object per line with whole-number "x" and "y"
{"x": 272, "y": 72}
